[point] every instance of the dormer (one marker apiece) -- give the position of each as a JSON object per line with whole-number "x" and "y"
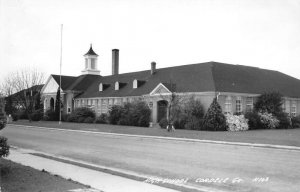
{"x": 102, "y": 86}
{"x": 119, "y": 85}
{"x": 137, "y": 83}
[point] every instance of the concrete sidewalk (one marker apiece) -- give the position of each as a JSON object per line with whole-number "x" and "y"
{"x": 96, "y": 179}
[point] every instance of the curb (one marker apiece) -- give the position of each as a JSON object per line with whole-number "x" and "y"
{"x": 283, "y": 147}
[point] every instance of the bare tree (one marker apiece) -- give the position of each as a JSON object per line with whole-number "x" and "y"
{"x": 23, "y": 86}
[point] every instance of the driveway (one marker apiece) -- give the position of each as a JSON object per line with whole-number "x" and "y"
{"x": 226, "y": 167}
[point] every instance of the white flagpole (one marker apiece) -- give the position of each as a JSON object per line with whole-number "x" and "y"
{"x": 61, "y": 33}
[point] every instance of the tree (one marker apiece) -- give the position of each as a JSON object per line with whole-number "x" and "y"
{"x": 58, "y": 104}
{"x": 214, "y": 119}
{"x": 22, "y": 86}
{"x": 269, "y": 102}
{"x": 272, "y": 103}
{"x": 4, "y": 147}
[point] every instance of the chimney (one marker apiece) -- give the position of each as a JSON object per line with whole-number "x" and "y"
{"x": 115, "y": 61}
{"x": 153, "y": 67}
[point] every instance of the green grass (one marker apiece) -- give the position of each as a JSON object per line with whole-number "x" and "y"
{"x": 18, "y": 178}
{"x": 276, "y": 136}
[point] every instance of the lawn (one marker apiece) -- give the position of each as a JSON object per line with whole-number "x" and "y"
{"x": 275, "y": 136}
{"x": 18, "y": 178}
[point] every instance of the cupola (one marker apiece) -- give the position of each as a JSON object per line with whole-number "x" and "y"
{"x": 90, "y": 67}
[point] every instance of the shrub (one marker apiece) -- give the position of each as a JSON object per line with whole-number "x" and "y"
{"x": 135, "y": 114}
{"x": 163, "y": 123}
{"x": 268, "y": 120}
{"x": 269, "y": 102}
{"x": 284, "y": 121}
{"x": 50, "y": 115}
{"x": 22, "y": 115}
{"x": 194, "y": 123}
{"x": 4, "y": 147}
{"x": 180, "y": 122}
{"x": 37, "y": 115}
{"x": 15, "y": 117}
{"x": 89, "y": 120}
{"x": 214, "y": 119}
{"x": 296, "y": 122}
{"x": 115, "y": 114}
{"x": 253, "y": 120}
{"x": 2, "y": 122}
{"x": 65, "y": 117}
{"x": 236, "y": 123}
{"x": 102, "y": 119}
{"x": 80, "y": 114}
{"x": 192, "y": 116}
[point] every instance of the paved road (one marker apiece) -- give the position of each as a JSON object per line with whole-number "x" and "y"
{"x": 172, "y": 159}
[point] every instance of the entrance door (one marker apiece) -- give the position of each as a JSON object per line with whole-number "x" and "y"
{"x": 161, "y": 110}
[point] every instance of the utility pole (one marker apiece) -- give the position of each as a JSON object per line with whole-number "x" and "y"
{"x": 61, "y": 33}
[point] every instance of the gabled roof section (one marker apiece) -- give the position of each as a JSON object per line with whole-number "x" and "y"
{"x": 66, "y": 81}
{"x": 91, "y": 52}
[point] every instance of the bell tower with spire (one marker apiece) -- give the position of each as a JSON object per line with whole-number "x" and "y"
{"x": 90, "y": 67}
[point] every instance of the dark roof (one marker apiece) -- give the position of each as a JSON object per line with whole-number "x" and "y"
{"x": 202, "y": 77}
{"x": 35, "y": 89}
{"x": 91, "y": 52}
{"x": 80, "y": 83}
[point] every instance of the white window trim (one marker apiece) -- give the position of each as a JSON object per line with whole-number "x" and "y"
{"x": 117, "y": 86}
{"x": 100, "y": 87}
{"x": 228, "y": 102}
{"x": 135, "y": 84}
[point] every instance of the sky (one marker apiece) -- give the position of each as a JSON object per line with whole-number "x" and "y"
{"x": 259, "y": 33}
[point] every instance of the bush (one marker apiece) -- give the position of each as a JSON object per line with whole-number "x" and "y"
{"x": 236, "y": 123}
{"x": 50, "y": 115}
{"x": 80, "y": 114}
{"x": 268, "y": 121}
{"x": 296, "y": 122}
{"x": 2, "y": 122}
{"x": 37, "y": 115}
{"x": 269, "y": 102}
{"x": 135, "y": 114}
{"x": 4, "y": 147}
{"x": 194, "y": 124}
{"x": 89, "y": 120}
{"x": 65, "y": 117}
{"x": 22, "y": 115}
{"x": 180, "y": 122}
{"x": 284, "y": 121}
{"x": 15, "y": 117}
{"x": 163, "y": 123}
{"x": 115, "y": 114}
{"x": 193, "y": 115}
{"x": 102, "y": 119}
{"x": 214, "y": 119}
{"x": 253, "y": 120}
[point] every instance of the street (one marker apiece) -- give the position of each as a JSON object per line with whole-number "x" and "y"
{"x": 226, "y": 167}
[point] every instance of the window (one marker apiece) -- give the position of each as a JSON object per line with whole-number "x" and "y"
{"x": 294, "y": 109}
{"x": 228, "y": 105}
{"x": 69, "y": 110}
{"x": 135, "y": 84}
{"x": 117, "y": 86}
{"x": 93, "y": 63}
{"x": 86, "y": 63}
{"x": 101, "y": 87}
{"x": 238, "y": 105}
{"x": 287, "y": 107}
{"x": 249, "y": 104}
{"x": 104, "y": 106}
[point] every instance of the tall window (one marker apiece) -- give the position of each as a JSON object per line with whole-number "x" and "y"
{"x": 104, "y": 106}
{"x": 100, "y": 87}
{"x": 117, "y": 86}
{"x": 294, "y": 109}
{"x": 228, "y": 104}
{"x": 86, "y": 63}
{"x": 249, "y": 104}
{"x": 135, "y": 84}
{"x": 287, "y": 107}
{"x": 238, "y": 105}
{"x": 93, "y": 63}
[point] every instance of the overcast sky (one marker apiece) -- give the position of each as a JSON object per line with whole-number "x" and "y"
{"x": 260, "y": 33}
